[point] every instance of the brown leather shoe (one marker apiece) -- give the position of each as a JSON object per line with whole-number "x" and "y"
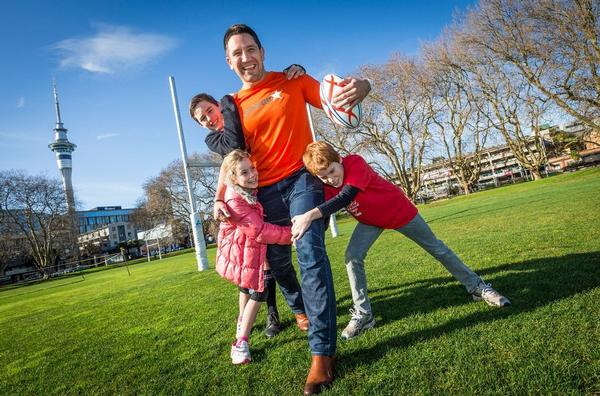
{"x": 302, "y": 321}
{"x": 320, "y": 375}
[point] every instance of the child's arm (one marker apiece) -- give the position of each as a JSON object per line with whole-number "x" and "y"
{"x": 248, "y": 220}
{"x": 220, "y": 210}
{"x": 294, "y": 71}
{"x": 232, "y": 135}
{"x": 301, "y": 223}
{"x": 223, "y": 142}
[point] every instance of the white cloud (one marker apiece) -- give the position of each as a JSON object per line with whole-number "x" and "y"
{"x": 21, "y": 102}
{"x": 112, "y": 49}
{"x": 106, "y": 136}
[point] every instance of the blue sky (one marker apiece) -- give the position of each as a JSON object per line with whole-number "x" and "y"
{"x": 111, "y": 61}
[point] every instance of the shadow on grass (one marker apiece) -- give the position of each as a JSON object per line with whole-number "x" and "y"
{"x": 529, "y": 285}
{"x": 480, "y": 210}
{"x": 449, "y": 215}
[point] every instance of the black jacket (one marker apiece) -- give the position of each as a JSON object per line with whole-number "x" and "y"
{"x": 232, "y": 136}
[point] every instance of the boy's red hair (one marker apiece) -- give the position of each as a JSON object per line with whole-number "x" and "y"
{"x": 318, "y": 156}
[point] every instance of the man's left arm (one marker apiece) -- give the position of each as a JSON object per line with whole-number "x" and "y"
{"x": 310, "y": 90}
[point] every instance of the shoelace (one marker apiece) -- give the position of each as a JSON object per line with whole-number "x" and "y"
{"x": 272, "y": 318}
{"x": 488, "y": 290}
{"x": 355, "y": 316}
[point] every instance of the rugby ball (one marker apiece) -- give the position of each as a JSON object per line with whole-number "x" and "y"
{"x": 344, "y": 116}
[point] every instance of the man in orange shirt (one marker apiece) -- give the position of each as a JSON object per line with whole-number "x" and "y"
{"x": 273, "y": 115}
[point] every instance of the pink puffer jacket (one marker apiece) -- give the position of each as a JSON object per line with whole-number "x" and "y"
{"x": 242, "y": 244}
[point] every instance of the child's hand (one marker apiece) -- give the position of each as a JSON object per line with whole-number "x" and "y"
{"x": 300, "y": 224}
{"x": 294, "y": 71}
{"x": 220, "y": 211}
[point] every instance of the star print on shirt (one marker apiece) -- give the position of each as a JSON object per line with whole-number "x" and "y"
{"x": 264, "y": 102}
{"x": 276, "y": 95}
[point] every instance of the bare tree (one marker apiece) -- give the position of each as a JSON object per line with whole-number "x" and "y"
{"x": 553, "y": 44}
{"x": 166, "y": 197}
{"x": 395, "y": 129}
{"x": 461, "y": 127}
{"x": 12, "y": 247}
{"x": 565, "y": 143}
{"x": 518, "y": 111}
{"x": 33, "y": 209}
{"x": 142, "y": 217}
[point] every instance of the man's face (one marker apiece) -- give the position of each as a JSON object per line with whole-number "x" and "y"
{"x": 245, "y": 58}
{"x": 332, "y": 175}
{"x": 209, "y": 115}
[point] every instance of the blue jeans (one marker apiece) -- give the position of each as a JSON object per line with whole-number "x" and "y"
{"x": 417, "y": 230}
{"x": 295, "y": 195}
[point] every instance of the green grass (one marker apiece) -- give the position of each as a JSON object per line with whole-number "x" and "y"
{"x": 166, "y": 329}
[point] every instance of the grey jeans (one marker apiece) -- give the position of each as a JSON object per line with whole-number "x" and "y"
{"x": 417, "y": 229}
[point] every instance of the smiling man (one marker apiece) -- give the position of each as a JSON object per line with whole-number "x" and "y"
{"x": 275, "y": 124}
{"x": 225, "y": 135}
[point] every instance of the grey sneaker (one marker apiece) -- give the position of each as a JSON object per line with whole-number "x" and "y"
{"x": 240, "y": 353}
{"x": 358, "y": 323}
{"x": 485, "y": 293}
{"x": 273, "y": 327}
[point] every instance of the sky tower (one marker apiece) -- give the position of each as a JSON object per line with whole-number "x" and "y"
{"x": 63, "y": 149}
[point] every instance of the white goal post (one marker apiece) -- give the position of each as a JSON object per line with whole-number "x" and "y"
{"x": 332, "y": 221}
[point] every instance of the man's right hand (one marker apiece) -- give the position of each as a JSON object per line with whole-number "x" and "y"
{"x": 220, "y": 211}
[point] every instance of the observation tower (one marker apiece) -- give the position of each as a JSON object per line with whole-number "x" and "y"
{"x": 63, "y": 149}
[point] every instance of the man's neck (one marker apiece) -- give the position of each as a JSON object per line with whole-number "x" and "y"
{"x": 248, "y": 85}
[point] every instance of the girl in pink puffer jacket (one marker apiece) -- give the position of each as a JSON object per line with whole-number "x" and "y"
{"x": 242, "y": 246}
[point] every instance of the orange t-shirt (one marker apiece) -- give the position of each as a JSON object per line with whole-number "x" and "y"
{"x": 275, "y": 123}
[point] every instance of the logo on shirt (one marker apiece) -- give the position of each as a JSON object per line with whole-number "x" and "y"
{"x": 274, "y": 96}
{"x": 353, "y": 209}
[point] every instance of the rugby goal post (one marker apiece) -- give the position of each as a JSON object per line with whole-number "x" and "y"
{"x": 195, "y": 220}
{"x": 332, "y": 221}
{"x": 152, "y": 238}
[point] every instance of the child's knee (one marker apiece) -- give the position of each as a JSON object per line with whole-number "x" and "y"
{"x": 440, "y": 250}
{"x": 354, "y": 256}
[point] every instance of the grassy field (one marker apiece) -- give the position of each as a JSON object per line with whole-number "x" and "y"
{"x": 166, "y": 329}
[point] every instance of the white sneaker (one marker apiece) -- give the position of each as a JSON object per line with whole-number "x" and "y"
{"x": 486, "y": 293}
{"x": 358, "y": 323}
{"x": 240, "y": 353}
